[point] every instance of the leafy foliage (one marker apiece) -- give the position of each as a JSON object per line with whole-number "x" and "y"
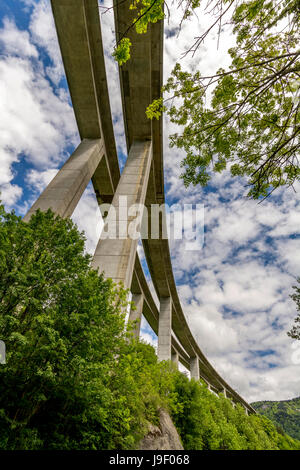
{"x": 155, "y": 109}
{"x": 295, "y": 331}
{"x": 209, "y": 422}
{"x": 251, "y": 123}
{"x": 148, "y": 11}
{"x": 62, "y": 326}
{"x": 285, "y": 414}
{"x": 122, "y": 51}
{"x": 73, "y": 379}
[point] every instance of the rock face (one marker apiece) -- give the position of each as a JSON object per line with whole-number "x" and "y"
{"x": 162, "y": 437}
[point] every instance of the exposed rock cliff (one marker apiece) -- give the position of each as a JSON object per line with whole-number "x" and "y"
{"x": 162, "y": 437}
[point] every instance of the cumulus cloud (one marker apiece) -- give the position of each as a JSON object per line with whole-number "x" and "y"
{"x": 10, "y": 194}
{"x": 88, "y": 218}
{"x": 40, "y": 179}
{"x": 235, "y": 291}
{"x": 16, "y": 42}
{"x": 44, "y": 35}
{"x": 147, "y": 334}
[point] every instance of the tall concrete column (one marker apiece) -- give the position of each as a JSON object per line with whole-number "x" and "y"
{"x": 224, "y": 392}
{"x": 194, "y": 368}
{"x": 165, "y": 329}
{"x": 116, "y": 249}
{"x": 136, "y": 315}
{"x": 64, "y": 191}
{"x": 175, "y": 358}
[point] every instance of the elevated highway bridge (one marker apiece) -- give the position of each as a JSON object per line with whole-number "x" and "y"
{"x": 142, "y": 180}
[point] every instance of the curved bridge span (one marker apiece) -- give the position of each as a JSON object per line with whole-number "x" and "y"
{"x": 142, "y": 180}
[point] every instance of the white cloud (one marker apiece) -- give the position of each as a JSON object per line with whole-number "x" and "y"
{"x": 289, "y": 252}
{"x": 34, "y": 121}
{"x": 88, "y": 218}
{"x": 44, "y": 35}
{"x": 147, "y": 334}
{"x": 40, "y": 179}
{"x": 10, "y": 194}
{"x": 235, "y": 293}
{"x": 36, "y": 124}
{"x": 16, "y": 42}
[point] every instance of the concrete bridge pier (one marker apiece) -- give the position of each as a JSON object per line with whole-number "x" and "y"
{"x": 136, "y": 315}
{"x": 165, "y": 329}
{"x": 64, "y": 191}
{"x": 175, "y": 358}
{"x": 116, "y": 250}
{"x": 194, "y": 368}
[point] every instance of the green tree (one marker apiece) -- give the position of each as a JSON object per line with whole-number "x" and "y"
{"x": 251, "y": 123}
{"x": 63, "y": 328}
{"x": 209, "y": 422}
{"x": 295, "y": 331}
{"x": 74, "y": 377}
{"x": 284, "y": 413}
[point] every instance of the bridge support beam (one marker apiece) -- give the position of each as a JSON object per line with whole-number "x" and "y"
{"x": 115, "y": 252}
{"x": 175, "y": 358}
{"x": 194, "y": 368}
{"x": 64, "y": 191}
{"x": 165, "y": 329}
{"x": 136, "y": 315}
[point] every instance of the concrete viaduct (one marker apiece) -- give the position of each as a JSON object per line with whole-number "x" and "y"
{"x": 142, "y": 180}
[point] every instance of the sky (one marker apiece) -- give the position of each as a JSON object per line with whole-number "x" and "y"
{"x": 235, "y": 290}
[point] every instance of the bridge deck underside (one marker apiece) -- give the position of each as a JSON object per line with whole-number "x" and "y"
{"x": 78, "y": 28}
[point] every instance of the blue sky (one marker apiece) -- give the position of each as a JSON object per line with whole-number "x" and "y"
{"x": 234, "y": 291}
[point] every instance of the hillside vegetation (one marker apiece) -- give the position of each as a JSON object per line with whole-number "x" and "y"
{"x": 285, "y": 413}
{"x": 74, "y": 378}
